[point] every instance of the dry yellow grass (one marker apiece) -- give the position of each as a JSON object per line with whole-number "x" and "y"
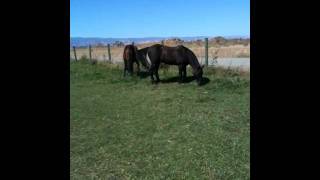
{"x": 101, "y": 53}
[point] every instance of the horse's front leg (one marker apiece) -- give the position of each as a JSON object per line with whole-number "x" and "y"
{"x": 184, "y": 73}
{"x": 125, "y": 68}
{"x": 180, "y": 73}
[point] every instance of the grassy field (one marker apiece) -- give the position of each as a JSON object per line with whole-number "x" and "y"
{"x": 127, "y": 128}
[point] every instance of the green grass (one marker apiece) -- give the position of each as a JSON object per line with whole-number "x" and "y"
{"x": 127, "y": 128}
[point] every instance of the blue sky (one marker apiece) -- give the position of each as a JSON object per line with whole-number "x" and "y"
{"x": 159, "y": 18}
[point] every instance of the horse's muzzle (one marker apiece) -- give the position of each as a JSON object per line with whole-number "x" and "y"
{"x": 199, "y": 81}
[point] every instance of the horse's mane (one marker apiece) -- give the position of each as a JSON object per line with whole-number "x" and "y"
{"x": 193, "y": 60}
{"x": 144, "y": 50}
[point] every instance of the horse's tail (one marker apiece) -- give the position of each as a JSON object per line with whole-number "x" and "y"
{"x": 125, "y": 56}
{"x": 135, "y": 52}
{"x": 128, "y": 53}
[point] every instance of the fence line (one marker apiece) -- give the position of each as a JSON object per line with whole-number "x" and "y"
{"x": 90, "y": 50}
{"x": 109, "y": 53}
{"x": 206, "y": 51}
{"x": 116, "y": 54}
{"x": 75, "y": 54}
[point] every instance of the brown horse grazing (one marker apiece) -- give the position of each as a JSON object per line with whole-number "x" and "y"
{"x": 179, "y": 55}
{"x": 132, "y": 55}
{"x": 129, "y": 58}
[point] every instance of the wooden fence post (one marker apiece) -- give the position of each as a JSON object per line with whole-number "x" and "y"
{"x": 206, "y": 51}
{"x": 109, "y": 54}
{"x": 90, "y": 52}
{"x": 75, "y": 54}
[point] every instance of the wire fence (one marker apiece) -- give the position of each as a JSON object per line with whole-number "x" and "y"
{"x": 114, "y": 54}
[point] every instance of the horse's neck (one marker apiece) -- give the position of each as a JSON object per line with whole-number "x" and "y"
{"x": 194, "y": 64}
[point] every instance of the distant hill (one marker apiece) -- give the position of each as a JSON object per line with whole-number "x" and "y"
{"x": 82, "y": 41}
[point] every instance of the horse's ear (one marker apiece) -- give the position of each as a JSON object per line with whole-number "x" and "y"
{"x": 202, "y": 66}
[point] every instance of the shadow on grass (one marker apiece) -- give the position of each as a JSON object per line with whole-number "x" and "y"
{"x": 143, "y": 74}
{"x": 176, "y": 79}
{"x": 204, "y": 81}
{"x": 187, "y": 80}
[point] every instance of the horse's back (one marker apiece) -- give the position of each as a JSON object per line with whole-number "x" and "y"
{"x": 168, "y": 55}
{"x": 154, "y": 53}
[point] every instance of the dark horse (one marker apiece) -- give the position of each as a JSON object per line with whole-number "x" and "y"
{"x": 132, "y": 55}
{"x": 179, "y": 55}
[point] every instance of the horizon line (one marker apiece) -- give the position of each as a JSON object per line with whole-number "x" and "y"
{"x": 156, "y": 36}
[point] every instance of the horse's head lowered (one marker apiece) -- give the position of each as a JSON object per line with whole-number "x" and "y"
{"x": 198, "y": 74}
{"x": 141, "y": 57}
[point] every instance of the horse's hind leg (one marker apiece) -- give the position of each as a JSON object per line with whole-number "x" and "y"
{"x": 151, "y": 71}
{"x": 130, "y": 67}
{"x": 156, "y": 72}
{"x": 138, "y": 68}
{"x": 125, "y": 69}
